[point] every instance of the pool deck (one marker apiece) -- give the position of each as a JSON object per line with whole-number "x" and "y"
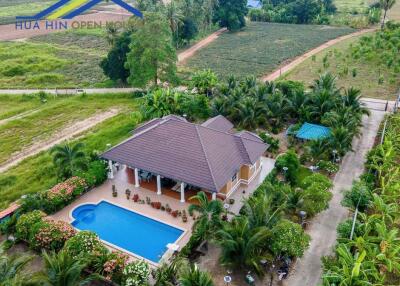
{"x": 123, "y": 181}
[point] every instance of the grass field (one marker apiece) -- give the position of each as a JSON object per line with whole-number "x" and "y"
{"x": 9, "y": 9}
{"x": 56, "y": 114}
{"x": 368, "y": 72}
{"x": 37, "y": 173}
{"x": 260, "y": 48}
{"x": 62, "y": 60}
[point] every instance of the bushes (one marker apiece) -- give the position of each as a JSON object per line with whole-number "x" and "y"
{"x": 26, "y": 222}
{"x": 289, "y": 239}
{"x": 290, "y": 161}
{"x": 50, "y": 234}
{"x": 136, "y": 274}
{"x": 96, "y": 173}
{"x": 84, "y": 244}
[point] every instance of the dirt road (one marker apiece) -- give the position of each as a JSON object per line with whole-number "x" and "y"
{"x": 62, "y": 135}
{"x": 307, "y": 270}
{"x": 295, "y": 62}
{"x": 199, "y": 45}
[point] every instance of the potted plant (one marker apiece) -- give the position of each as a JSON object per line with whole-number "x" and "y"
{"x": 231, "y": 201}
{"x": 135, "y": 198}
{"x": 168, "y": 208}
{"x": 114, "y": 193}
{"x": 162, "y": 208}
{"x": 174, "y": 213}
{"x": 148, "y": 200}
{"x": 184, "y": 216}
{"x": 127, "y": 193}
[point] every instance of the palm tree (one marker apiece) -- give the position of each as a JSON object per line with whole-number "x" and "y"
{"x": 386, "y": 212}
{"x": 175, "y": 18}
{"x": 317, "y": 148}
{"x": 341, "y": 140}
{"x": 191, "y": 275}
{"x": 352, "y": 99}
{"x": 277, "y": 109}
{"x": 69, "y": 159}
{"x": 11, "y": 268}
{"x": 243, "y": 247}
{"x": 111, "y": 33}
{"x": 167, "y": 273}
{"x": 326, "y": 82}
{"x": 258, "y": 208}
{"x": 386, "y": 5}
{"x": 209, "y": 214}
{"x": 61, "y": 269}
{"x": 250, "y": 113}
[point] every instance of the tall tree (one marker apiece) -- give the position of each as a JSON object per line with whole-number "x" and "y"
{"x": 152, "y": 55}
{"x": 231, "y": 13}
{"x": 386, "y": 5}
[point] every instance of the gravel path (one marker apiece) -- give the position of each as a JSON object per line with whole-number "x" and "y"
{"x": 62, "y": 135}
{"x": 307, "y": 270}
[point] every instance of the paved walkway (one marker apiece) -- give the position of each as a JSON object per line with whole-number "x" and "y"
{"x": 288, "y": 67}
{"x": 307, "y": 270}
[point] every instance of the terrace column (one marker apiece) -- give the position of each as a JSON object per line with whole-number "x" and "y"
{"x": 158, "y": 185}
{"x": 111, "y": 172}
{"x": 214, "y": 196}
{"x": 137, "y": 185}
{"x": 182, "y": 192}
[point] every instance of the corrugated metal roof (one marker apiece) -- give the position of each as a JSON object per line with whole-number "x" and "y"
{"x": 192, "y": 153}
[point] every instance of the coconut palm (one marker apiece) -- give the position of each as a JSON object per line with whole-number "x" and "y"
{"x": 326, "y": 82}
{"x": 250, "y": 113}
{"x": 277, "y": 109}
{"x": 317, "y": 148}
{"x": 11, "y": 267}
{"x": 61, "y": 269}
{"x": 243, "y": 247}
{"x": 352, "y": 99}
{"x": 167, "y": 273}
{"x": 69, "y": 158}
{"x": 174, "y": 16}
{"x": 191, "y": 275}
{"x": 209, "y": 214}
{"x": 341, "y": 140}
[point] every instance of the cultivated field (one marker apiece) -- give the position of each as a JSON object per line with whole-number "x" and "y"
{"x": 339, "y": 61}
{"x": 260, "y": 48}
{"x": 9, "y": 9}
{"x": 37, "y": 173}
{"x": 67, "y": 59}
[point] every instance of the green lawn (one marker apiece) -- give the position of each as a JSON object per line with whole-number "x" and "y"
{"x": 339, "y": 59}
{"x": 260, "y": 48}
{"x": 55, "y": 115}
{"x": 62, "y": 60}
{"x": 37, "y": 173}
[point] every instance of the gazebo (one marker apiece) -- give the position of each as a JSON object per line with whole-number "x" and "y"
{"x": 309, "y": 131}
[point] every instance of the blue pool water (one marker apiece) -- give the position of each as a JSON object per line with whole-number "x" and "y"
{"x": 126, "y": 229}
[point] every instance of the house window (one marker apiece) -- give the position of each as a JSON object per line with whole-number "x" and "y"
{"x": 234, "y": 177}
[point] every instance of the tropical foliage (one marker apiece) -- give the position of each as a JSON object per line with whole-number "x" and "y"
{"x": 371, "y": 255}
{"x": 11, "y": 268}
{"x": 69, "y": 159}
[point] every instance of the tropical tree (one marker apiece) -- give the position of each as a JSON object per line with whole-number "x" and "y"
{"x": 175, "y": 17}
{"x": 205, "y": 81}
{"x": 231, "y": 14}
{"x": 69, "y": 159}
{"x": 11, "y": 268}
{"x": 341, "y": 140}
{"x": 209, "y": 213}
{"x": 243, "y": 247}
{"x": 191, "y": 275}
{"x": 111, "y": 33}
{"x": 61, "y": 269}
{"x": 152, "y": 56}
{"x": 386, "y": 5}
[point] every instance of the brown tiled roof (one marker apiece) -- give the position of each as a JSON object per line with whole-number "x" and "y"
{"x": 183, "y": 151}
{"x": 218, "y": 122}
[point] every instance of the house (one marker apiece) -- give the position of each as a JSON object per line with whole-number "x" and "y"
{"x": 210, "y": 157}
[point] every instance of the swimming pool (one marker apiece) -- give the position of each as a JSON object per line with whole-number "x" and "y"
{"x": 126, "y": 229}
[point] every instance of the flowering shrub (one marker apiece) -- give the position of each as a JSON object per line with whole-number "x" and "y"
{"x": 51, "y": 234}
{"x": 84, "y": 244}
{"x": 328, "y": 166}
{"x": 136, "y": 273}
{"x": 115, "y": 264}
{"x": 71, "y": 187}
{"x": 25, "y": 223}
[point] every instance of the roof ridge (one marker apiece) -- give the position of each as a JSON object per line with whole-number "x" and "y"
{"x": 205, "y": 155}
{"x": 244, "y": 147}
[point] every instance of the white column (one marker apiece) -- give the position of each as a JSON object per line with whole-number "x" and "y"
{"x": 137, "y": 185}
{"x": 214, "y": 196}
{"x": 158, "y": 185}
{"x": 111, "y": 172}
{"x": 182, "y": 192}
